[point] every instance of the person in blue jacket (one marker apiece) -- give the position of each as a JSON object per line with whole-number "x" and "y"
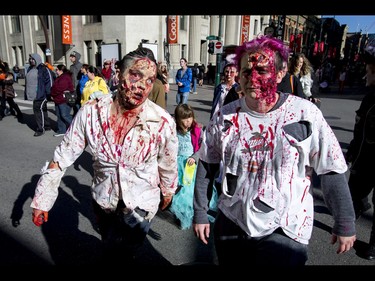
{"x": 184, "y": 77}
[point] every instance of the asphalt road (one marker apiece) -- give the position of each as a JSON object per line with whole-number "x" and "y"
{"x": 70, "y": 236}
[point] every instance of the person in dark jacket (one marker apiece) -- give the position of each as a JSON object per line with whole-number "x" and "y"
{"x": 290, "y": 84}
{"x": 38, "y": 83}
{"x": 361, "y": 150}
{"x": 4, "y": 68}
{"x": 220, "y": 92}
{"x": 62, "y": 83}
{"x": 75, "y": 69}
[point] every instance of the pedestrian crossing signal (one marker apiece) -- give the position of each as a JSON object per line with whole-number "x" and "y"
{"x": 211, "y": 47}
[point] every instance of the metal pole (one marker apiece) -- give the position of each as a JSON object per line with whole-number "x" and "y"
{"x": 44, "y": 27}
{"x": 218, "y": 55}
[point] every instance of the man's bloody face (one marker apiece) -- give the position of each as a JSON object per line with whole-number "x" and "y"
{"x": 258, "y": 75}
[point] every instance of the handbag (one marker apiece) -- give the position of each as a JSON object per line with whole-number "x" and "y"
{"x": 70, "y": 97}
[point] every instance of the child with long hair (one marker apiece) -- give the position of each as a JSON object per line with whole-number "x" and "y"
{"x": 189, "y": 133}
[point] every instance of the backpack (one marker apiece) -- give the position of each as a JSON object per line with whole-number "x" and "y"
{"x": 195, "y": 72}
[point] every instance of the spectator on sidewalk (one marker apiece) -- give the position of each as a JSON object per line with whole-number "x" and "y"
{"x": 202, "y": 71}
{"x": 301, "y": 67}
{"x": 96, "y": 85}
{"x": 157, "y": 94}
{"x": 81, "y": 86}
{"x": 195, "y": 72}
{"x": 16, "y": 71}
{"x": 211, "y": 70}
{"x": 4, "y": 68}
{"x": 75, "y": 69}
{"x": 184, "y": 77}
{"x": 221, "y": 90}
{"x": 9, "y": 94}
{"x": 63, "y": 83}
{"x": 38, "y": 83}
{"x": 290, "y": 84}
{"x": 342, "y": 79}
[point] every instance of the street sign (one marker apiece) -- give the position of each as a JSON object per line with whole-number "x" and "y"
{"x": 212, "y": 37}
{"x": 218, "y": 47}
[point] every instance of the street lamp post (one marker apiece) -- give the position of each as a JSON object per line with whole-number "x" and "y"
{"x": 219, "y": 55}
{"x": 44, "y": 26}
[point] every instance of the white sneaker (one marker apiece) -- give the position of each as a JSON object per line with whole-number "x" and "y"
{"x": 58, "y": 135}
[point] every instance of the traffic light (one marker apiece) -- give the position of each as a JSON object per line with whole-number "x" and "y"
{"x": 211, "y": 47}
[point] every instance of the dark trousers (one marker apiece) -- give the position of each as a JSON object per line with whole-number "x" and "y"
{"x": 360, "y": 186}
{"x": 13, "y": 106}
{"x": 41, "y": 115}
{"x": 235, "y": 248}
{"x": 122, "y": 234}
{"x": 64, "y": 118}
{"x": 2, "y": 104}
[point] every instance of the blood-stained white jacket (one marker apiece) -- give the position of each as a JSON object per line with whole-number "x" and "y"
{"x": 137, "y": 171}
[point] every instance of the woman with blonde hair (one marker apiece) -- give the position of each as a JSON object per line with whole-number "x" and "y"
{"x": 301, "y": 67}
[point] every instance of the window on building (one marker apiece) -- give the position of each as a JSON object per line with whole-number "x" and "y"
{"x": 183, "y": 51}
{"x": 93, "y": 18}
{"x": 255, "y": 27}
{"x": 89, "y": 52}
{"x": 21, "y": 56}
{"x": 16, "y": 24}
{"x": 182, "y": 22}
{"x": 261, "y": 23}
{"x": 97, "y": 49}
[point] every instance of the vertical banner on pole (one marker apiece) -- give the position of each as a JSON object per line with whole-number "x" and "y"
{"x": 67, "y": 30}
{"x": 280, "y": 27}
{"x": 172, "y": 29}
{"x": 245, "y": 29}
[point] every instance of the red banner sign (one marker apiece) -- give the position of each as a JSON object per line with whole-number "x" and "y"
{"x": 245, "y": 29}
{"x": 172, "y": 30}
{"x": 67, "y": 30}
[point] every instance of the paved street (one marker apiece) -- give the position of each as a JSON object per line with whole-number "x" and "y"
{"x": 69, "y": 238}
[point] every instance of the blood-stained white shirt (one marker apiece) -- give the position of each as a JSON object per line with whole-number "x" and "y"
{"x": 271, "y": 167}
{"x": 136, "y": 171}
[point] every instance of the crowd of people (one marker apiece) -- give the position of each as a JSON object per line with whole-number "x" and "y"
{"x": 253, "y": 164}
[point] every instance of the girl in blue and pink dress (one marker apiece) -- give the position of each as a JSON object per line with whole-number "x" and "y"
{"x": 189, "y": 133}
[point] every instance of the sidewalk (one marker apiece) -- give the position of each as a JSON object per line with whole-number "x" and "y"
{"x": 355, "y": 92}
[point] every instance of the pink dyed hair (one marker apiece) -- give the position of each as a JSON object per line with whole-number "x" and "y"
{"x": 259, "y": 43}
